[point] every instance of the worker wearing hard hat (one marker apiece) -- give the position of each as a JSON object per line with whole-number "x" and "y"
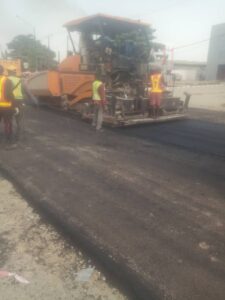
{"x": 18, "y": 92}
{"x": 157, "y": 86}
{"x": 6, "y": 104}
{"x": 99, "y": 100}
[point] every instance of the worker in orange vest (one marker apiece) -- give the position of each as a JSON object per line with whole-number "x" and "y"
{"x": 7, "y": 109}
{"x": 99, "y": 101}
{"x": 157, "y": 86}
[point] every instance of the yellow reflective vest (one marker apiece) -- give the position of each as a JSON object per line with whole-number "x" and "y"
{"x": 4, "y": 103}
{"x": 17, "y": 86}
{"x": 95, "y": 90}
{"x": 156, "y": 83}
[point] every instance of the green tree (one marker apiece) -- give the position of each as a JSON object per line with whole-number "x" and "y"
{"x": 29, "y": 50}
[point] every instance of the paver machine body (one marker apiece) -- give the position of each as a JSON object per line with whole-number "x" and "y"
{"x": 118, "y": 48}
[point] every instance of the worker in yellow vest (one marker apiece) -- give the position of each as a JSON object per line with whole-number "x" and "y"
{"x": 157, "y": 86}
{"x": 18, "y": 92}
{"x": 6, "y": 104}
{"x": 99, "y": 101}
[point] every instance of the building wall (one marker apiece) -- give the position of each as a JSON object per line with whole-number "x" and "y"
{"x": 189, "y": 71}
{"x": 216, "y": 55}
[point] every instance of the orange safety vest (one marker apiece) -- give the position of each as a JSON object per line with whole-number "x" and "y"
{"x": 4, "y": 103}
{"x": 156, "y": 83}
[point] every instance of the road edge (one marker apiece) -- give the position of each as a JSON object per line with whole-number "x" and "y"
{"x": 134, "y": 285}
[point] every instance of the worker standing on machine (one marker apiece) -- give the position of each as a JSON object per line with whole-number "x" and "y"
{"x": 7, "y": 108}
{"x": 18, "y": 93}
{"x": 99, "y": 101}
{"x": 157, "y": 87}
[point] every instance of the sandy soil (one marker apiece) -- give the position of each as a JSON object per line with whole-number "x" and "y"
{"x": 37, "y": 252}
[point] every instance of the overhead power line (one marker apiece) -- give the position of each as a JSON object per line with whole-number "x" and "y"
{"x": 199, "y": 42}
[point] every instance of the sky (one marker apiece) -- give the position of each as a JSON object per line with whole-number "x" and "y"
{"x": 177, "y": 22}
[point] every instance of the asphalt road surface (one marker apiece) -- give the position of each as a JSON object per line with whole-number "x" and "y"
{"x": 148, "y": 202}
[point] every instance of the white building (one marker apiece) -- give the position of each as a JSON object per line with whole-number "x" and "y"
{"x": 189, "y": 70}
{"x": 216, "y": 56}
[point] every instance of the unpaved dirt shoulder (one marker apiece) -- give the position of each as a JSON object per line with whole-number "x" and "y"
{"x": 34, "y": 250}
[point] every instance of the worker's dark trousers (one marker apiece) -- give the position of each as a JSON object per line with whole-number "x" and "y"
{"x": 98, "y": 116}
{"x": 8, "y": 127}
{"x": 6, "y": 117}
{"x": 19, "y": 118}
{"x": 155, "y": 103}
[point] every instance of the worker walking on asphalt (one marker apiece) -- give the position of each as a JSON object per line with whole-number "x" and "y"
{"x": 18, "y": 93}
{"x": 7, "y": 108}
{"x": 157, "y": 86}
{"x": 99, "y": 100}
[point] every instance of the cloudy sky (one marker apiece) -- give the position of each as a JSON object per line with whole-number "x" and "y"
{"x": 177, "y": 22}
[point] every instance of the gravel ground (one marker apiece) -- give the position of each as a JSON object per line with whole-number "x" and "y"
{"x": 34, "y": 250}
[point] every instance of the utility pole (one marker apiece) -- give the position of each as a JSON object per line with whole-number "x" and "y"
{"x": 48, "y": 42}
{"x": 67, "y": 45}
{"x": 35, "y": 49}
{"x": 49, "y": 48}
